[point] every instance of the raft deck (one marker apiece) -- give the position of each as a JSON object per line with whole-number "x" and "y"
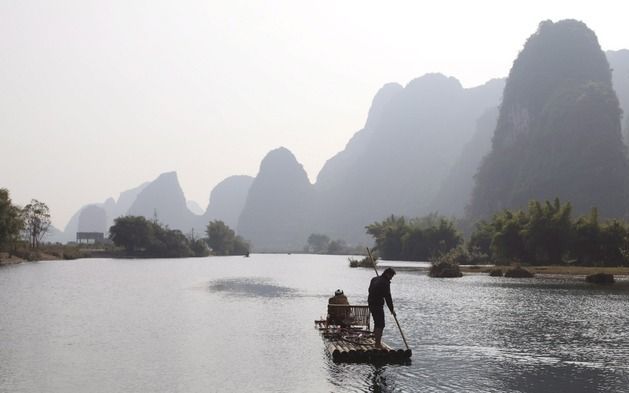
{"x": 354, "y": 342}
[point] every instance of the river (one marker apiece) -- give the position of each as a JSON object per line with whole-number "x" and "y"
{"x": 235, "y": 324}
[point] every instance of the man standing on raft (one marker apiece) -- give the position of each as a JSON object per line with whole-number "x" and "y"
{"x": 379, "y": 292}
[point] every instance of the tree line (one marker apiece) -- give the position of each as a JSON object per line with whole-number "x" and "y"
{"x": 149, "y": 238}
{"x": 417, "y": 239}
{"x": 543, "y": 233}
{"x": 26, "y": 227}
{"x": 22, "y": 224}
{"x": 546, "y": 233}
{"x": 319, "y": 243}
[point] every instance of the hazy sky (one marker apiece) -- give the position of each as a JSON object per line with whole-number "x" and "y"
{"x": 97, "y": 97}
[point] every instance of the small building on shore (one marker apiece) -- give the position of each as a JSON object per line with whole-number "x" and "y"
{"x": 90, "y": 237}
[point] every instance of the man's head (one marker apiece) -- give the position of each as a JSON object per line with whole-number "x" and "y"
{"x": 338, "y": 292}
{"x": 388, "y": 273}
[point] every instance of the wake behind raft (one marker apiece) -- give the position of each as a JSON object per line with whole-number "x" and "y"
{"x": 346, "y": 332}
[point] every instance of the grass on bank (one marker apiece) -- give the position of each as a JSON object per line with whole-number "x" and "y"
{"x": 53, "y": 252}
{"x": 555, "y": 269}
{"x": 365, "y": 262}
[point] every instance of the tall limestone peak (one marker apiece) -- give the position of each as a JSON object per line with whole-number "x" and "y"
{"x": 279, "y": 204}
{"x": 282, "y": 162}
{"x": 558, "y": 56}
{"x": 558, "y": 130}
{"x": 126, "y": 199}
{"x": 435, "y": 80}
{"x": 93, "y": 218}
{"x": 227, "y": 200}
{"x": 619, "y": 63}
{"x": 402, "y": 157}
{"x": 164, "y": 198}
{"x": 335, "y": 168}
{"x": 456, "y": 188}
{"x": 112, "y": 208}
{"x": 380, "y": 101}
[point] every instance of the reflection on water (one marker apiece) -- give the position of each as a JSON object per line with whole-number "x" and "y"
{"x": 361, "y": 378}
{"x": 246, "y": 324}
{"x": 250, "y": 287}
{"x": 378, "y": 382}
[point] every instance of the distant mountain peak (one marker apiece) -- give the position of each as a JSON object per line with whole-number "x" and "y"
{"x": 380, "y": 101}
{"x": 167, "y": 177}
{"x": 227, "y": 200}
{"x": 165, "y": 198}
{"x": 558, "y": 130}
{"x": 280, "y": 153}
{"x": 432, "y": 80}
{"x": 277, "y": 211}
{"x": 282, "y": 162}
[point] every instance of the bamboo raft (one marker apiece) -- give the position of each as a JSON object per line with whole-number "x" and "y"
{"x": 350, "y": 340}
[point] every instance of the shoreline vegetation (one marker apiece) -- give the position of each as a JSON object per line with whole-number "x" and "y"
{"x": 45, "y": 255}
{"x": 133, "y": 237}
{"x": 57, "y": 253}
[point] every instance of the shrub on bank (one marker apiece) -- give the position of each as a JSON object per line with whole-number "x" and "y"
{"x": 496, "y": 272}
{"x": 72, "y": 253}
{"x": 365, "y": 262}
{"x": 444, "y": 269}
{"x": 27, "y": 255}
{"x": 518, "y": 272}
{"x": 600, "y": 278}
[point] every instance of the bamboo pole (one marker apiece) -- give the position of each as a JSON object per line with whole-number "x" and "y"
{"x": 373, "y": 262}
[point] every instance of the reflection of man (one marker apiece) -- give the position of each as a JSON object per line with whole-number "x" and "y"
{"x": 379, "y": 292}
{"x": 338, "y": 314}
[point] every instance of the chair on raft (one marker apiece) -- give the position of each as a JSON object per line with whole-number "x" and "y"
{"x": 347, "y": 316}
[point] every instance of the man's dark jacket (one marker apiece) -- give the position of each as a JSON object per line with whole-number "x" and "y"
{"x": 379, "y": 292}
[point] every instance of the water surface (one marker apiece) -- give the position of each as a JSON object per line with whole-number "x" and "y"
{"x": 234, "y": 324}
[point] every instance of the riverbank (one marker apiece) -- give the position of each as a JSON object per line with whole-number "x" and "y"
{"x": 544, "y": 270}
{"x": 37, "y": 256}
{"x": 64, "y": 252}
{"x": 58, "y": 253}
{"x": 6, "y": 260}
{"x": 51, "y": 253}
{"x": 553, "y": 269}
